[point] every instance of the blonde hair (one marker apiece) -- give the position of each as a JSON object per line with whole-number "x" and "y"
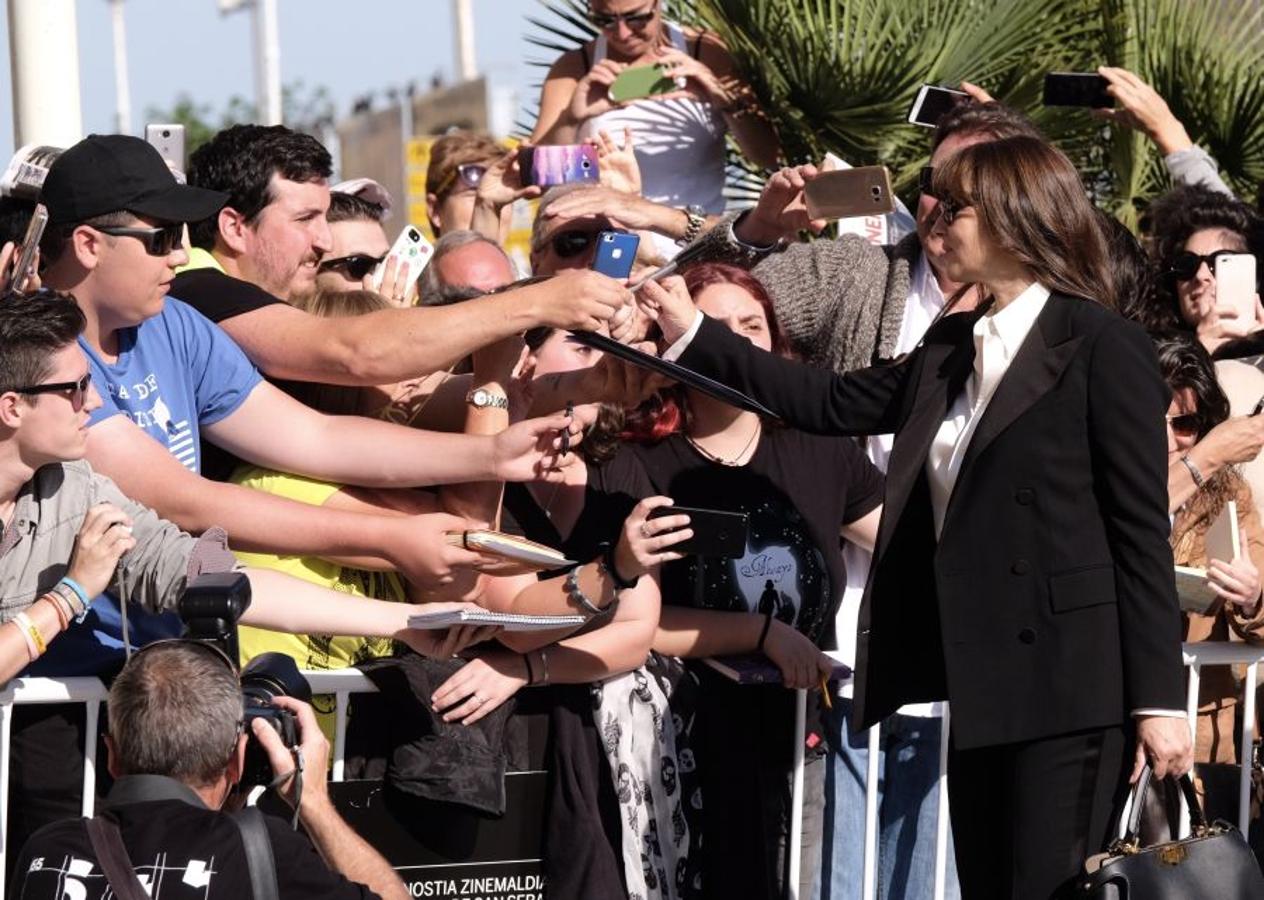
{"x": 337, "y": 399}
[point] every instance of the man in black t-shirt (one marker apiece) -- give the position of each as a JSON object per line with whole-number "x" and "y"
{"x": 176, "y": 749}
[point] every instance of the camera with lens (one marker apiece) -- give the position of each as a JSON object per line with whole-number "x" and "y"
{"x": 210, "y": 608}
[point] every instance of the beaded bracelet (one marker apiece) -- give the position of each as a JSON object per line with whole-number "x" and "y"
{"x": 577, "y": 595}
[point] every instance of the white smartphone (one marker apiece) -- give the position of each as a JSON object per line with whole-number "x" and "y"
{"x": 169, "y": 141}
{"x": 412, "y": 250}
{"x": 931, "y": 103}
{"x": 24, "y": 266}
{"x": 1235, "y": 288}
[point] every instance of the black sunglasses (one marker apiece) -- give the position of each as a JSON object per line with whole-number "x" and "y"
{"x": 356, "y": 266}
{"x": 636, "y": 21}
{"x": 75, "y": 390}
{"x": 1184, "y": 424}
{"x": 158, "y": 241}
{"x": 572, "y": 242}
{"x": 949, "y": 209}
{"x": 1186, "y": 265}
{"x": 925, "y": 179}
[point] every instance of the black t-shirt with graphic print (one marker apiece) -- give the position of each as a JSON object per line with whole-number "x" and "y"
{"x": 798, "y": 490}
{"x": 179, "y": 852}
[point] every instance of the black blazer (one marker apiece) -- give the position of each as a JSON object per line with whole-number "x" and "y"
{"x": 1048, "y": 604}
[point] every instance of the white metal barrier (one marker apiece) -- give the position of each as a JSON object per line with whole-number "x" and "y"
{"x": 345, "y": 682}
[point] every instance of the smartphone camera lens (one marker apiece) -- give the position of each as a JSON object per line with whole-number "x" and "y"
{"x": 166, "y": 132}
{"x": 877, "y": 193}
{"x": 585, "y": 163}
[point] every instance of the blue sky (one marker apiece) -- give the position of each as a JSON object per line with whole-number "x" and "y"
{"x": 349, "y": 46}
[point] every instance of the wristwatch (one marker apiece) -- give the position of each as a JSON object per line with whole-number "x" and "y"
{"x": 480, "y": 398}
{"x": 697, "y": 221}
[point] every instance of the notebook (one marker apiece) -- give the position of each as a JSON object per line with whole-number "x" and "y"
{"x": 433, "y": 621}
{"x": 755, "y": 668}
{"x": 1223, "y": 542}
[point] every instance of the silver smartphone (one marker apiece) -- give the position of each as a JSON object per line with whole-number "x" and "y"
{"x": 169, "y": 141}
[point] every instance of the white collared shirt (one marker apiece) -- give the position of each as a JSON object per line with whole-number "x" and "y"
{"x": 997, "y": 337}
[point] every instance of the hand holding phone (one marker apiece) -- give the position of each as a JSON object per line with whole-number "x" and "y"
{"x": 932, "y": 102}
{"x": 639, "y": 82}
{"x": 554, "y": 164}
{"x": 23, "y": 271}
{"x": 844, "y": 193}
{"x": 716, "y": 532}
{"x": 406, "y": 260}
{"x": 1236, "y": 293}
{"x": 616, "y": 254}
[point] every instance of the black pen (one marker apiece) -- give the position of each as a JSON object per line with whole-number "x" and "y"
{"x": 1259, "y": 407}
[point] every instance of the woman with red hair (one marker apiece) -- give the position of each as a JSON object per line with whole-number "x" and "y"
{"x": 801, "y": 493}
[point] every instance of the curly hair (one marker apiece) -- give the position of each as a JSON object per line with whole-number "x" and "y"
{"x": 1178, "y": 215}
{"x": 241, "y": 160}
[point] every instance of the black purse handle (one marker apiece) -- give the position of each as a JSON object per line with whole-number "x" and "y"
{"x": 1197, "y": 819}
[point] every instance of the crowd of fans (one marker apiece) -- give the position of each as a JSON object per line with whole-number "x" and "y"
{"x": 219, "y": 378}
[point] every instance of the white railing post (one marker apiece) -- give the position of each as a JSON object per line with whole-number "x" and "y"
{"x": 796, "y": 796}
{"x": 942, "y": 819}
{"x": 341, "y": 699}
{"x": 869, "y": 879}
{"x": 1245, "y": 752}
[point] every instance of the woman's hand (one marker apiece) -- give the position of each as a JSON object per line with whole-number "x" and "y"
{"x": 801, "y": 663}
{"x": 1141, "y": 108}
{"x": 106, "y": 534}
{"x": 697, "y": 74}
{"x": 668, "y": 303}
{"x": 617, "y": 166}
{"x": 8, "y": 259}
{"x": 480, "y": 686}
{"x": 532, "y": 449}
{"x": 1233, "y": 441}
{"x": 502, "y": 184}
{"x": 395, "y": 286}
{"x": 1238, "y": 583}
{"x": 448, "y": 642}
{"x": 592, "y": 92}
{"x": 644, "y": 542}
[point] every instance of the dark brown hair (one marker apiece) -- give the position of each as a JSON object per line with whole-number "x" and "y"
{"x": 1031, "y": 203}
{"x": 995, "y": 121}
{"x": 32, "y": 328}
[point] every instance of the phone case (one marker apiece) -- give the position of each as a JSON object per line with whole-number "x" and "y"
{"x": 510, "y": 547}
{"x": 716, "y": 532}
{"x": 168, "y": 140}
{"x": 638, "y": 82}
{"x": 616, "y": 254}
{"x": 412, "y": 249}
{"x": 1236, "y": 288}
{"x": 865, "y": 191}
{"x": 558, "y": 164}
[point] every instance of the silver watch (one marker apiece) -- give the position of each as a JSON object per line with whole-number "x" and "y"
{"x": 480, "y": 398}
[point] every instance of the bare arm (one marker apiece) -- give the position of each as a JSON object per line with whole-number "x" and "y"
{"x": 393, "y": 345}
{"x": 555, "y": 125}
{"x": 864, "y": 531}
{"x": 751, "y": 128}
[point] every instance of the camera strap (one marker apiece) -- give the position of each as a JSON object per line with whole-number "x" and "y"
{"x": 111, "y": 854}
{"x": 297, "y": 774}
{"x": 259, "y": 859}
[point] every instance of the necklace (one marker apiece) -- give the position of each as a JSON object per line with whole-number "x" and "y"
{"x": 736, "y": 460}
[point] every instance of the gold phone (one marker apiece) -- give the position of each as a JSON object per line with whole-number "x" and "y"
{"x": 846, "y": 193}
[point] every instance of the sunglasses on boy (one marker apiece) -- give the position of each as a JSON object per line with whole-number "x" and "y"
{"x": 160, "y": 241}
{"x": 355, "y": 266}
{"x": 1186, "y": 265}
{"x": 635, "y": 21}
{"x": 75, "y": 391}
{"x": 470, "y": 175}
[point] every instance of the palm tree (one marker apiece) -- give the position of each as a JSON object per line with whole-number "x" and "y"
{"x": 840, "y": 75}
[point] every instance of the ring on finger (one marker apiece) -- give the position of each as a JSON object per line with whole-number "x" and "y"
{"x": 645, "y": 530}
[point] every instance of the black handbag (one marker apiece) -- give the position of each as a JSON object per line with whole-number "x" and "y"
{"x": 1213, "y": 862}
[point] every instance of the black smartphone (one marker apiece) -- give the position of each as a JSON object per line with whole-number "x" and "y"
{"x": 1259, "y": 407}
{"x": 1086, "y": 89}
{"x": 716, "y": 532}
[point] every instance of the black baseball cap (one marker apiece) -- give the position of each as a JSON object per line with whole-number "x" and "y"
{"x": 105, "y": 173}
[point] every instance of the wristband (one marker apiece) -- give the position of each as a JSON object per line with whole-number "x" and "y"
{"x": 71, "y": 599}
{"x": 526, "y": 657}
{"x": 1199, "y": 481}
{"x": 763, "y": 635}
{"x": 75, "y": 586}
{"x": 61, "y": 606}
{"x": 607, "y": 564}
{"x": 35, "y": 645}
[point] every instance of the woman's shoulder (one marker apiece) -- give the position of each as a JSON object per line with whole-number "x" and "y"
{"x": 573, "y": 63}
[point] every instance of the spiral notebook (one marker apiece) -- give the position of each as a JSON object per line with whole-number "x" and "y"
{"x": 451, "y": 618}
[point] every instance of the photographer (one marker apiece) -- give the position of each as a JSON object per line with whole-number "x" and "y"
{"x": 177, "y": 750}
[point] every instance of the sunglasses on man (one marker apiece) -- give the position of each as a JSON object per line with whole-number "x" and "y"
{"x": 1186, "y": 265}
{"x": 572, "y": 242}
{"x": 161, "y": 241}
{"x": 355, "y": 266}
{"x": 469, "y": 174}
{"x": 75, "y": 391}
{"x": 635, "y": 21}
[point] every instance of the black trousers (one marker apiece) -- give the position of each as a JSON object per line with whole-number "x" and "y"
{"x": 1026, "y": 816}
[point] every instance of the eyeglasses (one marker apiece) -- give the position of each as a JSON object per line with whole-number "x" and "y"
{"x": 925, "y": 179}
{"x": 949, "y": 209}
{"x": 76, "y": 391}
{"x": 158, "y": 241}
{"x": 1186, "y": 265}
{"x": 635, "y": 21}
{"x": 1184, "y": 424}
{"x": 356, "y": 265}
{"x": 471, "y": 175}
{"x": 572, "y": 242}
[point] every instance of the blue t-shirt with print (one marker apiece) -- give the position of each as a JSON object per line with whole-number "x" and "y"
{"x": 175, "y": 372}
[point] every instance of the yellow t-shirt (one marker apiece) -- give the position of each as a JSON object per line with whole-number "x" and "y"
{"x": 314, "y": 651}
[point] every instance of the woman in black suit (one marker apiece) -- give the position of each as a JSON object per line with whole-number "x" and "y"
{"x": 1022, "y": 569}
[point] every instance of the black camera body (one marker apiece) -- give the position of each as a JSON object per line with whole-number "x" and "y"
{"x": 210, "y": 608}
{"x": 269, "y": 675}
